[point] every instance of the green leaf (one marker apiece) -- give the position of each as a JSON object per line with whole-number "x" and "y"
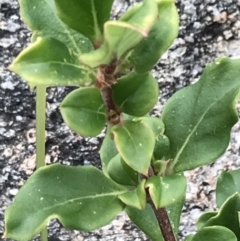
{"x": 40, "y": 16}
{"x": 166, "y": 190}
{"x": 49, "y": 62}
{"x": 228, "y": 215}
{"x": 122, "y": 36}
{"x": 160, "y": 167}
{"x": 160, "y": 38}
{"x": 82, "y": 198}
{"x": 161, "y": 147}
{"x": 162, "y": 142}
{"x": 200, "y": 117}
{"x": 135, "y": 198}
{"x": 85, "y": 16}
{"x": 83, "y": 111}
{"x": 121, "y": 173}
{"x": 136, "y": 94}
{"x": 135, "y": 143}
{"x": 189, "y": 237}
{"x": 228, "y": 183}
{"x": 146, "y": 221}
{"x": 108, "y": 151}
{"x": 154, "y": 123}
{"x": 174, "y": 214}
{"x": 204, "y": 218}
{"x": 213, "y": 233}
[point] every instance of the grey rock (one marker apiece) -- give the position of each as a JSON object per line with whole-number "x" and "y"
{"x": 7, "y": 85}
{"x": 227, "y": 34}
{"x": 13, "y": 192}
{"x": 12, "y": 26}
{"x": 10, "y": 133}
{"x": 189, "y": 39}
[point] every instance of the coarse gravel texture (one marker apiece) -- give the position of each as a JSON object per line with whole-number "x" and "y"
{"x": 208, "y": 29}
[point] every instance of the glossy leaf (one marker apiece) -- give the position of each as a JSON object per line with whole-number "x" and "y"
{"x": 228, "y": 215}
{"x": 121, "y": 173}
{"x": 108, "y": 151}
{"x": 200, "y": 117}
{"x": 49, "y": 62}
{"x": 122, "y": 36}
{"x": 204, "y": 218}
{"x": 84, "y": 112}
{"x": 40, "y": 16}
{"x": 213, "y": 233}
{"x": 174, "y": 214}
{"x": 166, "y": 190}
{"x": 228, "y": 183}
{"x": 82, "y": 198}
{"x": 135, "y": 198}
{"x": 85, "y": 16}
{"x": 136, "y": 94}
{"x": 160, "y": 38}
{"x": 135, "y": 143}
{"x": 146, "y": 221}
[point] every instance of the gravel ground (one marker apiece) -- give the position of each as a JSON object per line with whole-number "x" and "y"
{"x": 209, "y": 29}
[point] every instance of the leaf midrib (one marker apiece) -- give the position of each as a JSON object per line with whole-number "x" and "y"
{"x": 175, "y": 160}
{"x": 129, "y": 134}
{"x": 95, "y": 21}
{"x": 67, "y": 30}
{"x": 85, "y": 109}
{"x": 115, "y": 194}
{"x": 50, "y": 62}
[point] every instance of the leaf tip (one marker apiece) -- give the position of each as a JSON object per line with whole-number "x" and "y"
{"x": 10, "y": 67}
{"x": 145, "y": 172}
{"x": 5, "y": 235}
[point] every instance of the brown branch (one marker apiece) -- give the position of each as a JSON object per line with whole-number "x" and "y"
{"x": 107, "y": 78}
{"x": 114, "y": 116}
{"x": 163, "y": 221}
